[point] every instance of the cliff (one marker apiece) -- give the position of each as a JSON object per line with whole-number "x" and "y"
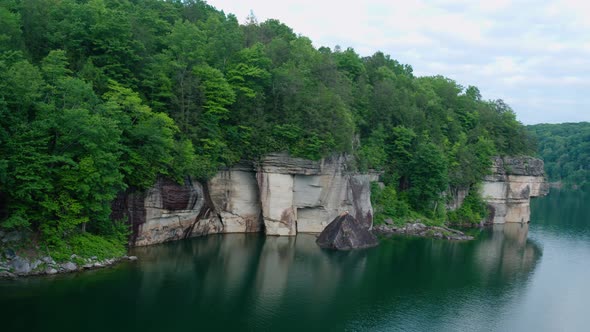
{"x": 510, "y": 187}
{"x": 279, "y": 194}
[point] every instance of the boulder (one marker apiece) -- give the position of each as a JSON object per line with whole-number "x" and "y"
{"x": 346, "y": 233}
{"x": 20, "y": 265}
{"x": 35, "y": 264}
{"x": 48, "y": 260}
{"x": 69, "y": 266}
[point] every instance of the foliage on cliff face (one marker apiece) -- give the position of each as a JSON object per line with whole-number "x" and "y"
{"x": 565, "y": 148}
{"x": 97, "y": 96}
{"x": 473, "y": 209}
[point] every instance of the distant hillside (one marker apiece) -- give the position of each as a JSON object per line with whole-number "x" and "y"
{"x": 565, "y": 147}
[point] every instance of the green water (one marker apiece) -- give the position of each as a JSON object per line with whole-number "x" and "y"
{"x": 512, "y": 278}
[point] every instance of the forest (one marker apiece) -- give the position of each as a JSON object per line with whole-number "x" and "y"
{"x": 100, "y": 96}
{"x": 565, "y": 148}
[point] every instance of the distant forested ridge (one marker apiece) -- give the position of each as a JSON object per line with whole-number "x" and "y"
{"x": 565, "y": 148}
{"x": 97, "y": 96}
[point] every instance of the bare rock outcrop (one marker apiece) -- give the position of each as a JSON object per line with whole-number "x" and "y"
{"x": 510, "y": 187}
{"x": 298, "y": 195}
{"x": 236, "y": 199}
{"x": 168, "y": 211}
{"x": 279, "y": 195}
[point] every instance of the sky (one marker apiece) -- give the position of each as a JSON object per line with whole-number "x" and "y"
{"x": 533, "y": 54}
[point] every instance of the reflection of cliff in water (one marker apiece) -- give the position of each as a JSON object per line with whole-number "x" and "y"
{"x": 259, "y": 276}
{"x": 505, "y": 251}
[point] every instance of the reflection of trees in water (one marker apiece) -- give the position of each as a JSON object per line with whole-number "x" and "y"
{"x": 257, "y": 279}
{"x": 247, "y": 273}
{"x": 571, "y": 208}
{"x": 248, "y": 281}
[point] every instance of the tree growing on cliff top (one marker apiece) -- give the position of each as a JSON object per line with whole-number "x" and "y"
{"x": 98, "y": 96}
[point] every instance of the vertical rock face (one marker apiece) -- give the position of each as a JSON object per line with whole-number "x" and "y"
{"x": 300, "y": 195}
{"x": 508, "y": 190}
{"x": 168, "y": 211}
{"x": 276, "y": 196}
{"x": 280, "y": 195}
{"x": 235, "y": 196}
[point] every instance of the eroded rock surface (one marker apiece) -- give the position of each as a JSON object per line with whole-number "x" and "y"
{"x": 508, "y": 190}
{"x": 298, "y": 195}
{"x": 168, "y": 211}
{"x": 279, "y": 195}
{"x": 236, "y": 198}
{"x": 346, "y": 233}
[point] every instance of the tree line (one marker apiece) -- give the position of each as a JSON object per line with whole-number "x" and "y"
{"x": 98, "y": 96}
{"x": 565, "y": 148}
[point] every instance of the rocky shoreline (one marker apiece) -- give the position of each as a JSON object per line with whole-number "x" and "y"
{"x": 20, "y": 258}
{"x": 13, "y": 266}
{"x": 421, "y": 230}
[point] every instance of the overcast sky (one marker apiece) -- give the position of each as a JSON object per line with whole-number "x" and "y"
{"x": 533, "y": 54}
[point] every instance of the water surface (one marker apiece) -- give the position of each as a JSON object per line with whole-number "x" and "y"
{"x": 512, "y": 278}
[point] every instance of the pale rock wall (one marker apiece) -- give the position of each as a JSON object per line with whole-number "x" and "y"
{"x": 280, "y": 195}
{"x": 276, "y": 196}
{"x": 172, "y": 212}
{"x": 508, "y": 190}
{"x": 303, "y": 196}
{"x": 235, "y": 196}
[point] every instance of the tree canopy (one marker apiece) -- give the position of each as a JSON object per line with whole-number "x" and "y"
{"x": 102, "y": 95}
{"x": 565, "y": 148}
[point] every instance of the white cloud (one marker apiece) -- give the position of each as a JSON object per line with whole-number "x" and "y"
{"x": 533, "y": 54}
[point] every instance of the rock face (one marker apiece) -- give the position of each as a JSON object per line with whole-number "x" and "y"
{"x": 346, "y": 233}
{"x": 299, "y": 195}
{"x": 279, "y": 195}
{"x": 235, "y": 196}
{"x": 168, "y": 211}
{"x": 508, "y": 190}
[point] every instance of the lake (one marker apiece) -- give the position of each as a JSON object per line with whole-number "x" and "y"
{"x": 511, "y": 278}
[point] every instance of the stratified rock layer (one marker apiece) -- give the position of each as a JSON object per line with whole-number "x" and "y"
{"x": 168, "y": 211}
{"x": 346, "y": 233}
{"x": 299, "y": 195}
{"x": 508, "y": 190}
{"x": 236, "y": 198}
{"x": 284, "y": 196}
{"x": 280, "y": 195}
